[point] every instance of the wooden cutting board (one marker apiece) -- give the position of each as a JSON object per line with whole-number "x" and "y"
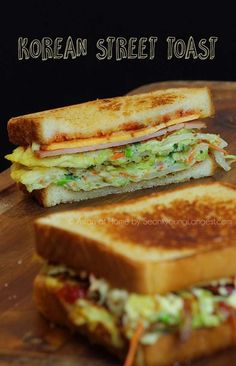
{"x": 25, "y": 337}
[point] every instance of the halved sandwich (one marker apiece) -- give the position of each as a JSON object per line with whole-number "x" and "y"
{"x": 152, "y": 279}
{"x": 115, "y": 145}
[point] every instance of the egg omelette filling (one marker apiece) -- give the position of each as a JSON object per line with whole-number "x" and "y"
{"x": 92, "y": 302}
{"x": 118, "y": 166}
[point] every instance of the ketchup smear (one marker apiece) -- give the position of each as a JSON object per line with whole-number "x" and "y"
{"x": 71, "y": 293}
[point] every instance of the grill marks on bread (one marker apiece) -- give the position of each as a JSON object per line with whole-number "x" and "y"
{"x": 181, "y": 225}
{"x": 105, "y": 116}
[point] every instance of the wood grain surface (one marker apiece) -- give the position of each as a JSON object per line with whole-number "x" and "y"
{"x": 25, "y": 337}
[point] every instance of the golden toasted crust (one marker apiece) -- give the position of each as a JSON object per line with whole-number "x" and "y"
{"x": 170, "y": 348}
{"x": 157, "y": 244}
{"x": 54, "y": 195}
{"x": 167, "y": 350}
{"x": 105, "y": 116}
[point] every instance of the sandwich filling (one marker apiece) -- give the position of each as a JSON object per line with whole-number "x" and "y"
{"x": 93, "y": 303}
{"x": 118, "y": 166}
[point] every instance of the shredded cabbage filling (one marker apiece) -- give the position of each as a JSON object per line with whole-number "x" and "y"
{"x": 93, "y": 301}
{"x": 121, "y": 165}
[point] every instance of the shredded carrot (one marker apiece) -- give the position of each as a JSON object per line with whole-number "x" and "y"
{"x": 134, "y": 344}
{"x": 118, "y": 155}
{"x": 124, "y": 174}
{"x": 214, "y": 147}
{"x": 191, "y": 156}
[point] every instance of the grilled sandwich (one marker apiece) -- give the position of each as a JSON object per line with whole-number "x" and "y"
{"x": 115, "y": 145}
{"x": 151, "y": 279}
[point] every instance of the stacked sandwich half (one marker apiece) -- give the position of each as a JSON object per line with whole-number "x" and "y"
{"x": 115, "y": 145}
{"x": 152, "y": 279}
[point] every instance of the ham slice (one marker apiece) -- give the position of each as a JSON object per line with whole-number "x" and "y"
{"x": 164, "y": 131}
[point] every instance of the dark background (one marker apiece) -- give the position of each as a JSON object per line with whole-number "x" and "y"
{"x": 34, "y": 85}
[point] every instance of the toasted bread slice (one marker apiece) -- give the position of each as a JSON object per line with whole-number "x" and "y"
{"x": 54, "y": 195}
{"x": 156, "y": 244}
{"x": 168, "y": 349}
{"x": 105, "y": 116}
